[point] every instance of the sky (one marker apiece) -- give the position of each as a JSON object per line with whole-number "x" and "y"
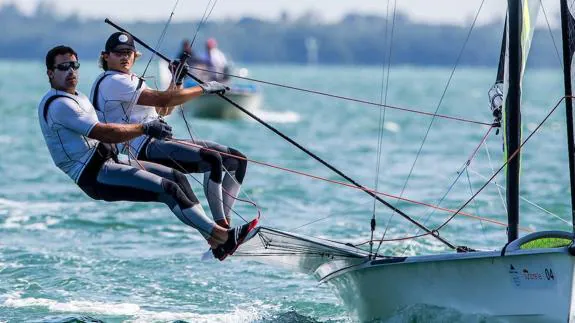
{"x": 431, "y": 11}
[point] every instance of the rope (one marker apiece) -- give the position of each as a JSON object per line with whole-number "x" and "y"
{"x": 183, "y": 169}
{"x": 495, "y": 182}
{"x": 499, "y": 187}
{"x": 504, "y": 164}
{"x": 435, "y": 232}
{"x": 551, "y": 34}
{"x": 344, "y": 184}
{"x": 346, "y": 98}
{"x": 382, "y": 113}
{"x": 436, "y": 110}
{"x": 463, "y": 168}
{"x": 203, "y": 20}
{"x": 249, "y": 200}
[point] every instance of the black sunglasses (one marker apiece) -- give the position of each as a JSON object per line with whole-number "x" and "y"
{"x": 66, "y": 66}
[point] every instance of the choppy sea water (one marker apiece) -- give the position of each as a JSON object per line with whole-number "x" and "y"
{"x": 66, "y": 258}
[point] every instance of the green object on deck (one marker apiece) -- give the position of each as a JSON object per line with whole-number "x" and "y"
{"x": 546, "y": 243}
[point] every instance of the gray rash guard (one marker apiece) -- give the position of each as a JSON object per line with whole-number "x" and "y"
{"x": 65, "y": 124}
{"x": 66, "y": 121}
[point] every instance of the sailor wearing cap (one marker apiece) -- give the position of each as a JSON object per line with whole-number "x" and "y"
{"x": 119, "y": 96}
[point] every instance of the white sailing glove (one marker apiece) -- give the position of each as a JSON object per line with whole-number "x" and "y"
{"x": 214, "y": 87}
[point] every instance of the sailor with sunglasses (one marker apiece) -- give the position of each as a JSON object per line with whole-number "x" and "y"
{"x": 120, "y": 96}
{"x": 82, "y": 147}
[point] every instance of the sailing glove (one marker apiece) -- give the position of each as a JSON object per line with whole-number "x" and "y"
{"x": 214, "y": 87}
{"x": 158, "y": 129}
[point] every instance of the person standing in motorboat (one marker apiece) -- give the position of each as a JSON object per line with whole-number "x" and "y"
{"x": 119, "y": 96}
{"x": 198, "y": 66}
{"x": 217, "y": 62}
{"x": 83, "y": 148}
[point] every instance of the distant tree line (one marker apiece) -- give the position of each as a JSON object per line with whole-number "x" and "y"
{"x": 355, "y": 39}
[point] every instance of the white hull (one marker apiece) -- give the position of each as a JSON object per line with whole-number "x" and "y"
{"x": 472, "y": 283}
{"x": 211, "y": 106}
{"x": 534, "y": 285}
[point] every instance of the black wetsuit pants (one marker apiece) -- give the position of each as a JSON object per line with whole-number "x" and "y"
{"x": 107, "y": 179}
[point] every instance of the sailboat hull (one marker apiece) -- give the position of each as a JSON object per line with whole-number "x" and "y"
{"x": 520, "y": 287}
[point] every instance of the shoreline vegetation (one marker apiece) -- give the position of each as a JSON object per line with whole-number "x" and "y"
{"x": 353, "y": 40}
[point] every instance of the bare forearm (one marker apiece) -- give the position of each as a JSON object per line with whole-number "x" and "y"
{"x": 168, "y": 98}
{"x": 166, "y": 111}
{"x": 115, "y": 133}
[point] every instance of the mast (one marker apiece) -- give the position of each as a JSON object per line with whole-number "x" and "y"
{"x": 512, "y": 115}
{"x": 521, "y": 18}
{"x": 567, "y": 29}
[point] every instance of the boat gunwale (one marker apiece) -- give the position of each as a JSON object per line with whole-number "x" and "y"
{"x": 392, "y": 261}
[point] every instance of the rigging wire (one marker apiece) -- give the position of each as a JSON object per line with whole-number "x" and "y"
{"x": 463, "y": 168}
{"x": 203, "y": 20}
{"x": 431, "y": 233}
{"x": 162, "y": 36}
{"x": 134, "y": 95}
{"x": 489, "y": 181}
{"x": 525, "y": 199}
{"x": 475, "y": 202}
{"x": 132, "y": 103}
{"x": 382, "y": 112}
{"x": 436, "y": 110}
{"x": 335, "y": 96}
{"x": 504, "y": 164}
{"x": 551, "y": 34}
{"x": 492, "y": 172}
{"x": 249, "y": 200}
{"x": 345, "y": 185}
{"x": 179, "y": 165}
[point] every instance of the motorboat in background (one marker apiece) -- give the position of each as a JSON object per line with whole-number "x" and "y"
{"x": 246, "y": 95}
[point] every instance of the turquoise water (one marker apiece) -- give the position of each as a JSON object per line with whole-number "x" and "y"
{"x": 65, "y": 257}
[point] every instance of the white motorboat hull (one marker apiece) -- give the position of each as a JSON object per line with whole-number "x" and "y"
{"x": 212, "y": 106}
{"x": 522, "y": 286}
{"x": 247, "y": 96}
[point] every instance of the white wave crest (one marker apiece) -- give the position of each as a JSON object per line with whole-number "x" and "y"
{"x": 392, "y": 126}
{"x": 255, "y": 311}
